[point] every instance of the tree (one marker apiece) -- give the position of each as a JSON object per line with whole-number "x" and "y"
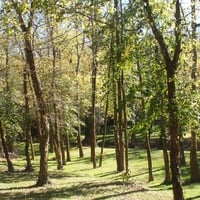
{"x": 27, "y": 123}
{"x": 57, "y": 133}
{"x": 146, "y": 127}
{"x": 171, "y": 65}
{"x": 5, "y": 149}
{"x": 43, "y": 121}
{"x": 194, "y": 167}
{"x": 94, "y": 78}
{"x": 78, "y": 54}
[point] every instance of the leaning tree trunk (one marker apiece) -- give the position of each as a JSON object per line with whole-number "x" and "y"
{"x": 43, "y": 121}
{"x": 5, "y": 149}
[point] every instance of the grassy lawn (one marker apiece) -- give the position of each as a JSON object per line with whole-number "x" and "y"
{"x": 79, "y": 181}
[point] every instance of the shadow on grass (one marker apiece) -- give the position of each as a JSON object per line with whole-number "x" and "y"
{"x": 193, "y": 198}
{"x": 17, "y": 176}
{"x": 94, "y": 190}
{"x": 107, "y": 174}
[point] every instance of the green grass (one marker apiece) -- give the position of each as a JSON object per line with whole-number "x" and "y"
{"x": 78, "y": 180}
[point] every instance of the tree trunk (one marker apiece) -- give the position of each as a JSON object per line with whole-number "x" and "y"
{"x": 94, "y": 77}
{"x": 32, "y": 148}
{"x": 104, "y": 133}
{"x": 79, "y": 142}
{"x": 57, "y": 138}
{"x": 116, "y": 129}
{"x": 194, "y": 165}
{"x": 167, "y": 179}
{"x": 43, "y": 172}
{"x": 67, "y": 147}
{"x": 148, "y": 149}
{"x": 147, "y": 136}
{"x": 63, "y": 150}
{"x": 182, "y": 152}
{"x": 44, "y": 126}
{"x": 119, "y": 93}
{"x": 93, "y": 127}
{"x": 171, "y": 65}
{"x": 29, "y": 167}
{"x": 120, "y": 125}
{"x": 54, "y": 103}
{"x": 174, "y": 140}
{"x": 125, "y": 126}
{"x": 9, "y": 162}
{"x": 51, "y": 138}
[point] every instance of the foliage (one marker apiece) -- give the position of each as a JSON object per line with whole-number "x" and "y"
{"x": 11, "y": 113}
{"x": 68, "y": 27}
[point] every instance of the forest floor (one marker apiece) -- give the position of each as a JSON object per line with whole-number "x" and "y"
{"x": 79, "y": 181}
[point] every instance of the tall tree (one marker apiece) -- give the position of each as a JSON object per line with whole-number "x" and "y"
{"x": 94, "y": 78}
{"x": 171, "y": 65}
{"x": 27, "y": 123}
{"x": 57, "y": 133}
{"x": 148, "y": 128}
{"x": 194, "y": 167}
{"x": 43, "y": 121}
{"x": 78, "y": 54}
{"x": 118, "y": 71}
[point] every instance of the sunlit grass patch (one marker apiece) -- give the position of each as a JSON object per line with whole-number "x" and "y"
{"x": 78, "y": 179}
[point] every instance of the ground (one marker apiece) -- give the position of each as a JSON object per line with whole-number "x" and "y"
{"x": 79, "y": 181}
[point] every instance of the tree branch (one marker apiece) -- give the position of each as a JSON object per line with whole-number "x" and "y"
{"x": 156, "y": 32}
{"x": 177, "y": 33}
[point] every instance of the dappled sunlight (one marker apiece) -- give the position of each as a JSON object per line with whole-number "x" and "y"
{"x": 78, "y": 180}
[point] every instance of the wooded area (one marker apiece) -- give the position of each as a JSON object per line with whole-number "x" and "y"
{"x": 121, "y": 74}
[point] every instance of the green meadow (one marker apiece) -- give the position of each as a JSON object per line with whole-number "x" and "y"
{"x": 78, "y": 180}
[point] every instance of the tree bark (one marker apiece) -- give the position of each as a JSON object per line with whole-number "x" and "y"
{"x": 54, "y": 103}
{"x": 147, "y": 132}
{"x": 182, "y": 152}
{"x": 167, "y": 179}
{"x": 119, "y": 92}
{"x": 79, "y": 142}
{"x": 126, "y": 143}
{"x": 29, "y": 167}
{"x": 194, "y": 165}
{"x": 43, "y": 121}
{"x": 9, "y": 162}
{"x": 104, "y": 133}
{"x": 171, "y": 65}
{"x": 174, "y": 141}
{"x": 149, "y": 158}
{"x": 63, "y": 150}
{"x": 94, "y": 77}
{"x": 67, "y": 147}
